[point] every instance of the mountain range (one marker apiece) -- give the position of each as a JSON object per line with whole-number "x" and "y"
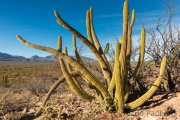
{"x": 8, "y": 57}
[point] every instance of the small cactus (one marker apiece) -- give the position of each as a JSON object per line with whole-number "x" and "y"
{"x": 5, "y": 81}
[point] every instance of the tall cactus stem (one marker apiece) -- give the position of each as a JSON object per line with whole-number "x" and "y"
{"x": 76, "y": 52}
{"x": 106, "y": 48}
{"x": 117, "y": 53}
{"x": 88, "y": 26}
{"x": 59, "y": 44}
{"x": 133, "y": 17}
{"x": 141, "y": 54}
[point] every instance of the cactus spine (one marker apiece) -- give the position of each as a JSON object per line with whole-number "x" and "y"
{"x": 116, "y": 80}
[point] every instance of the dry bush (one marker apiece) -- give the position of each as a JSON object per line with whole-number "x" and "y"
{"x": 13, "y": 103}
{"x": 164, "y": 40}
{"x": 41, "y": 83}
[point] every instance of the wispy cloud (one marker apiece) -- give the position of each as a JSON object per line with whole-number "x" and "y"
{"x": 110, "y": 15}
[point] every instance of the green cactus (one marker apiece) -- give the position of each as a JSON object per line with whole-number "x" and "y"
{"x": 5, "y": 81}
{"x": 117, "y": 80}
{"x": 151, "y": 91}
{"x": 106, "y": 48}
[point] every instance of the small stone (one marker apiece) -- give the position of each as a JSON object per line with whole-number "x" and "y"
{"x": 25, "y": 110}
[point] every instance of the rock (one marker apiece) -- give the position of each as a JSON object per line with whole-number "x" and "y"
{"x": 25, "y": 110}
{"x": 169, "y": 110}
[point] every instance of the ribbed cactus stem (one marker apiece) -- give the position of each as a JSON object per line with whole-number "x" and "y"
{"x": 163, "y": 65}
{"x": 112, "y": 83}
{"x": 125, "y": 17}
{"x": 106, "y": 48}
{"x": 72, "y": 85}
{"x": 76, "y": 52}
{"x": 128, "y": 58}
{"x": 76, "y": 82}
{"x": 117, "y": 52}
{"x": 88, "y": 26}
{"x": 151, "y": 91}
{"x": 74, "y": 42}
{"x": 95, "y": 39}
{"x": 119, "y": 93}
{"x": 65, "y": 51}
{"x": 141, "y": 54}
{"x": 59, "y": 44}
{"x": 133, "y": 17}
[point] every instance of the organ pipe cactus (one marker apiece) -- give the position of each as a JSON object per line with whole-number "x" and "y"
{"x": 116, "y": 80}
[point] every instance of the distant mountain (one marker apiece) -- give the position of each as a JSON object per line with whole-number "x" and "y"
{"x": 51, "y": 57}
{"x": 87, "y": 59}
{"x": 35, "y": 57}
{"x": 8, "y": 57}
{"x": 46, "y": 58}
{"x": 5, "y": 55}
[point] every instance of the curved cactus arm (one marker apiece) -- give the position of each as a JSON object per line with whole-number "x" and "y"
{"x": 80, "y": 62}
{"x": 126, "y": 88}
{"x": 133, "y": 17}
{"x": 88, "y": 76}
{"x": 96, "y": 90}
{"x": 141, "y": 54}
{"x": 103, "y": 63}
{"x": 99, "y": 48}
{"x": 151, "y": 91}
{"x": 74, "y": 87}
{"x": 106, "y": 48}
{"x": 129, "y": 42}
{"x": 69, "y": 68}
{"x": 112, "y": 84}
{"x": 76, "y": 52}
{"x": 95, "y": 39}
{"x": 52, "y": 89}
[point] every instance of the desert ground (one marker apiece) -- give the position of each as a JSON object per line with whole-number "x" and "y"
{"x": 29, "y": 82}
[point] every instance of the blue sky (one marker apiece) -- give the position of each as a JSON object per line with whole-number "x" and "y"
{"x": 34, "y": 21}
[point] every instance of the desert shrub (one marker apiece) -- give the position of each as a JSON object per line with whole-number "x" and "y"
{"x": 163, "y": 40}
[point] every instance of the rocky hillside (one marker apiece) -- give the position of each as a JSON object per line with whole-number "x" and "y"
{"x": 8, "y": 57}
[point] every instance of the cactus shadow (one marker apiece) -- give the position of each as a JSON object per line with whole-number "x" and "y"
{"x": 161, "y": 98}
